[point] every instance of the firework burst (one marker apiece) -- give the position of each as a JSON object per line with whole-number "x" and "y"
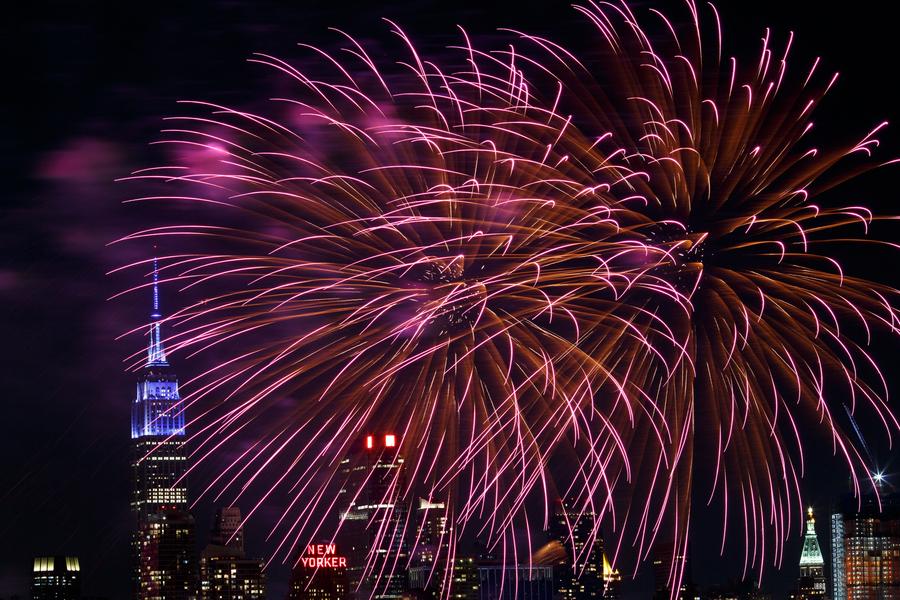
{"x": 727, "y": 184}
{"x": 545, "y": 280}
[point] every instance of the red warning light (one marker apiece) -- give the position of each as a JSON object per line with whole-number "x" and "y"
{"x": 370, "y": 443}
{"x": 390, "y": 440}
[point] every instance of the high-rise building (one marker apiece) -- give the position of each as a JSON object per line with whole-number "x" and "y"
{"x": 56, "y": 578}
{"x": 811, "y": 584}
{"x": 157, "y": 429}
{"x": 165, "y": 561}
{"x": 867, "y": 536}
{"x": 431, "y": 544}
{"x": 838, "y": 578}
{"x": 433, "y": 572}
{"x": 225, "y": 571}
{"x": 580, "y": 575}
{"x": 320, "y": 573}
{"x": 168, "y": 557}
{"x": 373, "y": 519}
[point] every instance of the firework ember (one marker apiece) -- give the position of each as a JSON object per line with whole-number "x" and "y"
{"x": 552, "y": 278}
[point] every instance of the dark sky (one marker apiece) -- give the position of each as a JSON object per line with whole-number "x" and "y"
{"x": 86, "y": 86}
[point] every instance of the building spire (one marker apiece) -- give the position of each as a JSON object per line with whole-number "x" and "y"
{"x": 811, "y": 554}
{"x": 156, "y": 353}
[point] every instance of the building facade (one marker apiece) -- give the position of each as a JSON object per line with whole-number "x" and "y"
{"x": 56, "y": 578}
{"x": 320, "y": 573}
{"x": 838, "y": 577}
{"x": 580, "y": 575}
{"x": 867, "y": 537}
{"x": 168, "y": 557}
{"x": 509, "y": 582}
{"x": 434, "y": 573}
{"x": 225, "y": 571}
{"x": 373, "y": 519}
{"x": 231, "y": 578}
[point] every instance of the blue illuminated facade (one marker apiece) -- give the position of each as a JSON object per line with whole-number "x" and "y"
{"x": 157, "y": 409}
{"x": 157, "y": 406}
{"x": 159, "y": 461}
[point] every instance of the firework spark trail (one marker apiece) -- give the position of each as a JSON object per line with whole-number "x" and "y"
{"x": 526, "y": 258}
{"x": 728, "y": 184}
{"x": 448, "y": 281}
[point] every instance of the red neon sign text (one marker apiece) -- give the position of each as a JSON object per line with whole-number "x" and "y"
{"x": 323, "y": 556}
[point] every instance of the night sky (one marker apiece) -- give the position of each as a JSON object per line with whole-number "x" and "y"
{"x": 86, "y": 87}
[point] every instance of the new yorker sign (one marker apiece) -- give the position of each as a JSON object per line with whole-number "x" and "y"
{"x": 322, "y": 556}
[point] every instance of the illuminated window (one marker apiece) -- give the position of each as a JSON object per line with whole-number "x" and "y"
{"x": 390, "y": 440}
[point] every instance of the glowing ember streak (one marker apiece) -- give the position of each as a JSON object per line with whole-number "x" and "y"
{"x": 540, "y": 304}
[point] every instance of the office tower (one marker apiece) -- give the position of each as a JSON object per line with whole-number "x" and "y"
{"x": 580, "y": 575}
{"x": 432, "y": 573}
{"x": 431, "y": 545}
{"x": 372, "y": 526}
{"x": 157, "y": 429}
{"x": 225, "y": 571}
{"x": 56, "y": 578}
{"x": 870, "y": 536}
{"x": 168, "y": 557}
{"x": 159, "y": 462}
{"x": 510, "y": 582}
{"x": 320, "y": 574}
{"x": 811, "y": 584}
{"x": 838, "y": 579}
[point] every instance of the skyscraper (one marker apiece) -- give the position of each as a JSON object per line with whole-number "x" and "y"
{"x": 225, "y": 571}
{"x": 433, "y": 573}
{"x": 165, "y": 555}
{"x": 580, "y": 575}
{"x": 838, "y": 578}
{"x": 811, "y": 584}
{"x": 56, "y": 578}
{"x": 373, "y": 522}
{"x": 157, "y": 429}
{"x": 168, "y": 556}
{"x": 867, "y": 537}
{"x": 432, "y": 539}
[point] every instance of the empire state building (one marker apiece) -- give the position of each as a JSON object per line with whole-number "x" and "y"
{"x": 157, "y": 429}
{"x": 164, "y": 542}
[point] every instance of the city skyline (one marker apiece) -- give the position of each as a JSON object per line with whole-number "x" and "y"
{"x": 69, "y": 465}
